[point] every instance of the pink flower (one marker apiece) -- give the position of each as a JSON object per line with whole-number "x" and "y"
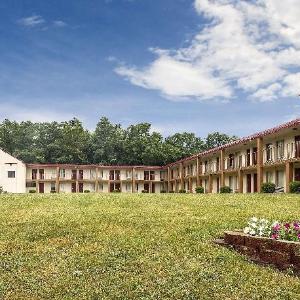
{"x": 299, "y": 236}
{"x": 287, "y": 226}
{"x": 276, "y": 227}
{"x": 296, "y": 226}
{"x": 275, "y": 236}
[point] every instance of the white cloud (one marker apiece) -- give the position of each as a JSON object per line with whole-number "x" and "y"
{"x": 249, "y": 46}
{"x": 36, "y": 20}
{"x": 59, "y": 23}
{"x": 176, "y": 78}
{"x": 39, "y": 114}
{"x": 268, "y": 93}
{"x": 32, "y": 21}
{"x": 292, "y": 85}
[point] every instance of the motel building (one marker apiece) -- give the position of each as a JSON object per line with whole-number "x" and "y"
{"x": 272, "y": 155}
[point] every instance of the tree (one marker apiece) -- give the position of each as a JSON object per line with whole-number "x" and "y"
{"x": 182, "y": 145}
{"x": 74, "y": 141}
{"x": 217, "y": 139}
{"x": 107, "y": 143}
{"x": 69, "y": 142}
{"x": 141, "y": 146}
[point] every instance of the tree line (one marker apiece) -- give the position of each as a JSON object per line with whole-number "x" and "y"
{"x": 109, "y": 143}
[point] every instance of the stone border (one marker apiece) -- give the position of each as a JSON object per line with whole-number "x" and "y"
{"x": 282, "y": 254}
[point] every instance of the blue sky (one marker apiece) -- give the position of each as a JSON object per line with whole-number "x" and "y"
{"x": 182, "y": 65}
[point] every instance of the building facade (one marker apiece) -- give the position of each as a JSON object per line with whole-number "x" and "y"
{"x": 269, "y": 156}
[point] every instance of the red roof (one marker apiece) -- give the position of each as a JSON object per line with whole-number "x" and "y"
{"x": 78, "y": 166}
{"x": 260, "y": 134}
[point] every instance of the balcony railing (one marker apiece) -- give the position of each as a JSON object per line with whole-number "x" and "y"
{"x": 273, "y": 154}
{"x": 211, "y": 168}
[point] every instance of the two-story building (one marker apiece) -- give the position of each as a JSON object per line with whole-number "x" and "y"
{"x": 269, "y": 156}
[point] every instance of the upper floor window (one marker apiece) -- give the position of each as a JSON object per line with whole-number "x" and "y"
{"x": 231, "y": 160}
{"x": 62, "y": 173}
{"x": 11, "y": 174}
{"x": 269, "y": 152}
{"x": 280, "y": 149}
{"x": 254, "y": 156}
{"x": 248, "y": 158}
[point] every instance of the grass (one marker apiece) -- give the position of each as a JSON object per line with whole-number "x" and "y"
{"x": 118, "y": 246}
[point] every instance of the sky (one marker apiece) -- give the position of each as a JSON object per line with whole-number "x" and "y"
{"x": 181, "y": 65}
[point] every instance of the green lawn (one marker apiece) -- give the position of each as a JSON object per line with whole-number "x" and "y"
{"x": 113, "y": 246}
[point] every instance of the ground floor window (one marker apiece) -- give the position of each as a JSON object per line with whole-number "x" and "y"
{"x": 11, "y": 174}
{"x": 31, "y": 184}
{"x": 279, "y": 178}
{"x": 269, "y": 177}
{"x": 53, "y": 188}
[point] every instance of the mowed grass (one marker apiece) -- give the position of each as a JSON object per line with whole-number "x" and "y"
{"x": 118, "y": 246}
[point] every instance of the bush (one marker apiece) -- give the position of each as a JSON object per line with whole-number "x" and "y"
{"x": 182, "y": 191}
{"x": 163, "y": 191}
{"x": 32, "y": 191}
{"x": 268, "y": 188}
{"x": 86, "y": 191}
{"x": 116, "y": 191}
{"x": 145, "y": 192}
{"x": 171, "y": 192}
{"x": 225, "y": 190}
{"x": 295, "y": 187}
{"x": 53, "y": 191}
{"x": 199, "y": 190}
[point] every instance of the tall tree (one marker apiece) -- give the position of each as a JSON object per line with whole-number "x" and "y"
{"x": 217, "y": 139}
{"x": 107, "y": 143}
{"x": 73, "y": 142}
{"x": 182, "y": 145}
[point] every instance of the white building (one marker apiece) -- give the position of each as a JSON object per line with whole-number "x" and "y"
{"x": 12, "y": 174}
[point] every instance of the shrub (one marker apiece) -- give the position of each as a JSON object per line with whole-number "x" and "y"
{"x": 32, "y": 191}
{"x": 163, "y": 191}
{"x": 116, "y": 191}
{"x": 268, "y": 188}
{"x": 199, "y": 189}
{"x": 53, "y": 191}
{"x": 295, "y": 187}
{"x": 225, "y": 190}
{"x": 182, "y": 191}
{"x": 171, "y": 192}
{"x": 144, "y": 191}
{"x": 86, "y": 191}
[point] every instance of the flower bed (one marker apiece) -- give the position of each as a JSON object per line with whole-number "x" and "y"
{"x": 267, "y": 243}
{"x": 289, "y": 231}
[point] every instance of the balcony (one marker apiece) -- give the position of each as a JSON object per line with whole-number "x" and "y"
{"x": 276, "y": 154}
{"x": 211, "y": 168}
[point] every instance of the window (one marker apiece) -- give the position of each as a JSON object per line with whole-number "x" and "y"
{"x": 53, "y": 187}
{"x": 30, "y": 184}
{"x": 248, "y": 159}
{"x": 269, "y": 177}
{"x": 280, "y": 178}
{"x": 254, "y": 156}
{"x": 280, "y": 149}
{"x": 231, "y": 161}
{"x": 231, "y": 182}
{"x": 269, "y": 152}
{"x": 11, "y": 174}
{"x": 62, "y": 173}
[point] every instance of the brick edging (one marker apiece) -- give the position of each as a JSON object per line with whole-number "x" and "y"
{"x": 282, "y": 254}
